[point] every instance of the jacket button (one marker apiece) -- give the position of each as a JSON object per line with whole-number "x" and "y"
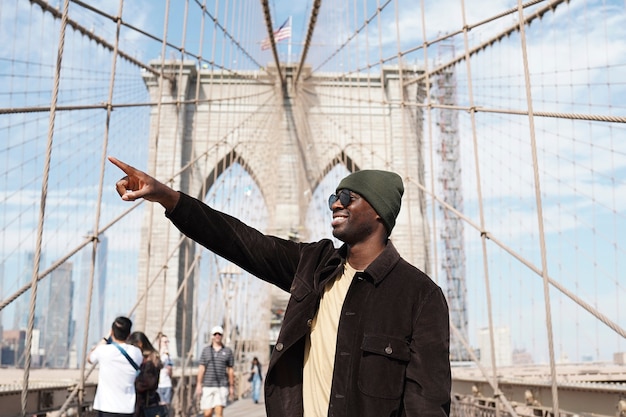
{"x": 309, "y": 322}
{"x": 279, "y": 346}
{"x": 388, "y": 350}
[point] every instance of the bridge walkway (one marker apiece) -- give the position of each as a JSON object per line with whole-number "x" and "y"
{"x": 245, "y": 408}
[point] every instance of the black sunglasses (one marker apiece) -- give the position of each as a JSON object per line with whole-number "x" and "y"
{"x": 343, "y": 196}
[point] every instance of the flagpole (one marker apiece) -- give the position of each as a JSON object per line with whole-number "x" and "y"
{"x": 289, "y": 45}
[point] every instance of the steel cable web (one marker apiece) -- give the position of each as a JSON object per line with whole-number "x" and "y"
{"x": 504, "y": 122}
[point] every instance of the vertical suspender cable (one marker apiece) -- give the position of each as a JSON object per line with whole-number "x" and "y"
{"x": 183, "y": 386}
{"x": 153, "y": 166}
{"x": 309, "y": 34}
{"x": 96, "y": 227}
{"x": 542, "y": 241}
{"x": 483, "y": 236}
{"x": 270, "y": 34}
{"x": 181, "y": 91}
{"x": 42, "y": 209}
{"x": 384, "y": 103}
{"x": 405, "y": 128}
{"x": 435, "y": 272}
{"x": 179, "y": 96}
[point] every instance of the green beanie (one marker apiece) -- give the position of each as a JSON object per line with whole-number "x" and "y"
{"x": 382, "y": 189}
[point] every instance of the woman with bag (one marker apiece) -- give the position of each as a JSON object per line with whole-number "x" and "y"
{"x": 255, "y": 379}
{"x": 147, "y": 381}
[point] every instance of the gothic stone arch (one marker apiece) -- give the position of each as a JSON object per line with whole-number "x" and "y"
{"x": 287, "y": 139}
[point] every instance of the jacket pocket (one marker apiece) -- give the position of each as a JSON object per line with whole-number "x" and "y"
{"x": 383, "y": 366}
{"x": 299, "y": 289}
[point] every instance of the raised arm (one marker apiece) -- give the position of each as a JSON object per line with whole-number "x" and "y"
{"x": 137, "y": 184}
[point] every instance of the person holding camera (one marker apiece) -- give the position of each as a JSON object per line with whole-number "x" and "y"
{"x": 118, "y": 363}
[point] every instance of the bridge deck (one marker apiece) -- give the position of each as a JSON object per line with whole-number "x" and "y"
{"x": 584, "y": 388}
{"x": 245, "y": 408}
{"x": 52, "y": 386}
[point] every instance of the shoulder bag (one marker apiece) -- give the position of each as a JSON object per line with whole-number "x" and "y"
{"x": 130, "y": 360}
{"x": 159, "y": 410}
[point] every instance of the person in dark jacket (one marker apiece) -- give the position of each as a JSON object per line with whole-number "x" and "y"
{"x": 365, "y": 333}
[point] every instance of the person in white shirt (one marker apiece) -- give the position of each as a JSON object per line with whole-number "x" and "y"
{"x": 165, "y": 378}
{"x": 115, "y": 395}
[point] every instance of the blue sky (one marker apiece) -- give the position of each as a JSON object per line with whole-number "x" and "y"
{"x": 579, "y": 67}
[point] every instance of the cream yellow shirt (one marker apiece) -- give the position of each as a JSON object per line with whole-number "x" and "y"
{"x": 319, "y": 350}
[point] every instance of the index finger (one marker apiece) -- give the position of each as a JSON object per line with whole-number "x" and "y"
{"x": 128, "y": 170}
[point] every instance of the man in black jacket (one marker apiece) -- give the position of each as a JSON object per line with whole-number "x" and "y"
{"x": 365, "y": 333}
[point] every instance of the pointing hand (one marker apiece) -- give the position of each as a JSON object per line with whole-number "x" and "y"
{"x": 137, "y": 184}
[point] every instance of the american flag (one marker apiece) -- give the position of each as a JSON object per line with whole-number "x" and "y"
{"x": 283, "y": 32}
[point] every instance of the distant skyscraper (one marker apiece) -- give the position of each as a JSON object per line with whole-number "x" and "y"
{"x": 96, "y": 319}
{"x": 20, "y": 313}
{"x": 21, "y": 303}
{"x": 20, "y": 318}
{"x": 81, "y": 287}
{"x": 522, "y": 357}
{"x": 59, "y": 324}
{"x": 502, "y": 342}
{"x": 101, "y": 279}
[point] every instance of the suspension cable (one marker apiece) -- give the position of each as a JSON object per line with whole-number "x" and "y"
{"x": 309, "y": 35}
{"x": 270, "y": 34}
{"x": 42, "y": 209}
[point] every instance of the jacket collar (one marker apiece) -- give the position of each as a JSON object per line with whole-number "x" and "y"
{"x": 381, "y": 266}
{"x": 328, "y": 268}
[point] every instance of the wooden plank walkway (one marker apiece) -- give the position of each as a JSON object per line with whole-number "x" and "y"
{"x": 245, "y": 408}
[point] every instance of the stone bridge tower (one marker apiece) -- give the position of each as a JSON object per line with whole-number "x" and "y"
{"x": 287, "y": 138}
